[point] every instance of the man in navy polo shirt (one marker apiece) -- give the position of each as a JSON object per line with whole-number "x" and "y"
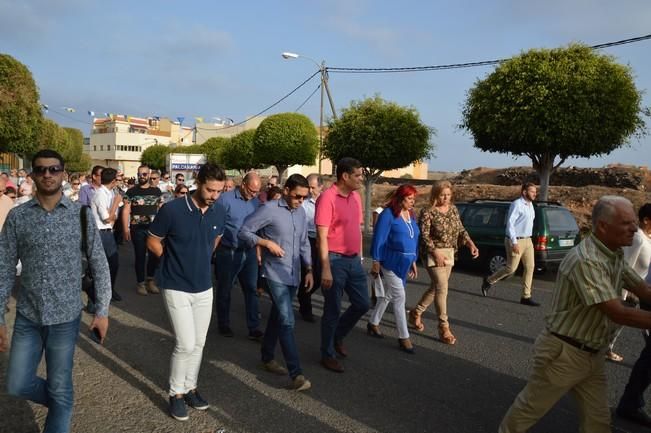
{"x": 184, "y": 236}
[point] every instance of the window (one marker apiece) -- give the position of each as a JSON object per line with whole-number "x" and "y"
{"x": 108, "y": 147}
{"x": 95, "y": 148}
{"x": 101, "y": 147}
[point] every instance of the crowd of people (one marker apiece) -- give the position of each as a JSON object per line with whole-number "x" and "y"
{"x": 289, "y": 241}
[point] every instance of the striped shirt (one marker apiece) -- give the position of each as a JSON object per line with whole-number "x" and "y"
{"x": 590, "y": 274}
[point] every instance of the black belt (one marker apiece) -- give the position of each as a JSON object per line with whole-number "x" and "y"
{"x": 105, "y": 230}
{"x": 573, "y": 342}
{"x": 348, "y": 256}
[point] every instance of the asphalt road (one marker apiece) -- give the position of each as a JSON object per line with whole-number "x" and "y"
{"x": 121, "y": 387}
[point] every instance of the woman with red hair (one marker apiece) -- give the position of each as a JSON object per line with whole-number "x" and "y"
{"x": 394, "y": 250}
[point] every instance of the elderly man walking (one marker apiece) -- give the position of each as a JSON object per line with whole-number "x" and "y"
{"x": 586, "y": 309}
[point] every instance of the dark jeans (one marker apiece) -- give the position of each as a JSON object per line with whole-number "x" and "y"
{"x": 139, "y": 240}
{"x": 241, "y": 264}
{"x": 305, "y": 295}
{"x": 111, "y": 251}
{"x": 633, "y": 397}
{"x": 347, "y": 276}
{"x": 280, "y": 327}
{"x": 28, "y": 344}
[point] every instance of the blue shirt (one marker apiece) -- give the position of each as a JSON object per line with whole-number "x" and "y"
{"x": 232, "y": 209}
{"x": 519, "y": 220}
{"x": 189, "y": 239}
{"x": 48, "y": 244}
{"x": 86, "y": 194}
{"x": 309, "y": 205}
{"x": 288, "y": 228}
{"x": 395, "y": 242}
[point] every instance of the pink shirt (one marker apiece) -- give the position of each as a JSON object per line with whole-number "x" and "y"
{"x": 343, "y": 217}
{"x": 5, "y": 206}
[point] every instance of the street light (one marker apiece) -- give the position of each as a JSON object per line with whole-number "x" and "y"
{"x": 324, "y": 88}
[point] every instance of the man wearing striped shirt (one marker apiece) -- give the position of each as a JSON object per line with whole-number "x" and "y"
{"x": 586, "y": 312}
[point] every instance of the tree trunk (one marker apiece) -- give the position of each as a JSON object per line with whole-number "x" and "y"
{"x": 545, "y": 169}
{"x": 282, "y": 174}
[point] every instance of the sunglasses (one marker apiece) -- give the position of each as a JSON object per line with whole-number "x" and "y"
{"x": 154, "y": 178}
{"x": 143, "y": 174}
{"x": 298, "y": 197}
{"x": 76, "y": 184}
{"x": 39, "y": 170}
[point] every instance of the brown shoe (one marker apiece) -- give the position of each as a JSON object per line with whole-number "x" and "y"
{"x": 341, "y": 349}
{"x": 332, "y": 364}
{"x": 141, "y": 289}
{"x": 445, "y": 335}
{"x": 415, "y": 320}
{"x": 152, "y": 287}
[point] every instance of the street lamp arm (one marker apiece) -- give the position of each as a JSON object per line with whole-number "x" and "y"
{"x": 288, "y": 55}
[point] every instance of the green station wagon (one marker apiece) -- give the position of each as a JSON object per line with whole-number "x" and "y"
{"x": 555, "y": 232}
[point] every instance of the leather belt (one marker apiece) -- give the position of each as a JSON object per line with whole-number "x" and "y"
{"x": 573, "y": 342}
{"x": 348, "y": 256}
{"x": 105, "y": 230}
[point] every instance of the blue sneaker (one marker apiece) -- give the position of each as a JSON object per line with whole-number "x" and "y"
{"x": 178, "y": 411}
{"x": 194, "y": 400}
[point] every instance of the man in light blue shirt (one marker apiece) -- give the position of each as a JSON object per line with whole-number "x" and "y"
{"x": 518, "y": 244}
{"x": 280, "y": 228}
{"x": 235, "y": 259}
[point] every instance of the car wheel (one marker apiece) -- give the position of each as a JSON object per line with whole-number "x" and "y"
{"x": 496, "y": 260}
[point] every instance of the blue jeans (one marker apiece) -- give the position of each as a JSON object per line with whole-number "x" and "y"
{"x": 241, "y": 264}
{"x": 28, "y": 343}
{"x": 347, "y": 276}
{"x": 280, "y": 327}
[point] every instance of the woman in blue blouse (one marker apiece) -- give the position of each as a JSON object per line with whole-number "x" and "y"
{"x": 394, "y": 250}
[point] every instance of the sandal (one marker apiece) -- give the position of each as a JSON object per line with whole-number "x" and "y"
{"x": 445, "y": 335}
{"x": 415, "y": 321}
{"x": 614, "y": 356}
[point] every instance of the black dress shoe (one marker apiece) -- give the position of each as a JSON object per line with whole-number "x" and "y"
{"x": 373, "y": 331}
{"x": 485, "y": 286}
{"x": 256, "y": 335}
{"x": 530, "y": 302}
{"x": 115, "y": 296}
{"x": 226, "y": 331}
{"x": 637, "y": 416}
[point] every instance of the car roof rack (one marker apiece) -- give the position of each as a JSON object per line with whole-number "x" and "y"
{"x": 501, "y": 200}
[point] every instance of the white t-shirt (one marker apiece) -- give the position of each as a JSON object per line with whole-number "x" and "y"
{"x": 638, "y": 255}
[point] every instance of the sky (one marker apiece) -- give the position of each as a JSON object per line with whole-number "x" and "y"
{"x": 223, "y": 59}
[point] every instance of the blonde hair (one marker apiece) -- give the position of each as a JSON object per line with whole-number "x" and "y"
{"x": 437, "y": 188}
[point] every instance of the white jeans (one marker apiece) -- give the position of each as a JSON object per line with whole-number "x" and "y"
{"x": 189, "y": 315}
{"x": 394, "y": 290}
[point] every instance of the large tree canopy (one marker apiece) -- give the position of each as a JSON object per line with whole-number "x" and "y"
{"x": 238, "y": 153}
{"x": 551, "y": 104}
{"x": 285, "y": 139}
{"x": 20, "y": 110}
{"x": 382, "y": 135}
{"x": 155, "y": 156}
{"x": 213, "y": 148}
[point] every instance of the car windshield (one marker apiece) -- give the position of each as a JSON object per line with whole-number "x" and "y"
{"x": 560, "y": 220}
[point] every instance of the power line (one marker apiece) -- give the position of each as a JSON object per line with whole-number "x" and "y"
{"x": 309, "y": 97}
{"x": 463, "y": 65}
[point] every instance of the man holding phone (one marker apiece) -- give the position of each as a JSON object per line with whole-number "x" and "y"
{"x": 48, "y": 310}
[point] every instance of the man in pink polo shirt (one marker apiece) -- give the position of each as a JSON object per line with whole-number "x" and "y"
{"x": 338, "y": 219}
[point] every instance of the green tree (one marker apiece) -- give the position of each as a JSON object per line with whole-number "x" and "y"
{"x": 20, "y": 111}
{"x": 382, "y": 135}
{"x": 82, "y": 165}
{"x": 213, "y": 148}
{"x": 75, "y": 147}
{"x": 552, "y": 104}
{"x": 238, "y": 153}
{"x": 156, "y": 156}
{"x": 52, "y": 136}
{"x": 285, "y": 139}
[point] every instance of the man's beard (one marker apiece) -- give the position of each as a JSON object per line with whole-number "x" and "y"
{"x": 142, "y": 181}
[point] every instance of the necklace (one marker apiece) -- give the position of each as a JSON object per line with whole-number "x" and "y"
{"x": 410, "y": 229}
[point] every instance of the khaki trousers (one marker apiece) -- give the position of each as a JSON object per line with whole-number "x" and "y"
{"x": 559, "y": 368}
{"x": 513, "y": 260}
{"x": 438, "y": 289}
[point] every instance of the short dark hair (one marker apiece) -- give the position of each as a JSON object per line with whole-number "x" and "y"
{"x": 47, "y": 153}
{"x": 210, "y": 171}
{"x": 108, "y": 175}
{"x": 295, "y": 180}
{"x": 179, "y": 175}
{"x": 527, "y": 185}
{"x": 143, "y": 166}
{"x": 347, "y": 165}
{"x": 645, "y": 211}
{"x": 96, "y": 169}
{"x": 273, "y": 191}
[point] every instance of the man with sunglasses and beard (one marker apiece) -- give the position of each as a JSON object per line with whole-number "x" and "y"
{"x": 141, "y": 204}
{"x": 48, "y": 309}
{"x": 279, "y": 227}
{"x": 184, "y": 236}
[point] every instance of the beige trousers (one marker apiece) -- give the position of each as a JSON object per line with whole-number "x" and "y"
{"x": 559, "y": 368}
{"x": 513, "y": 260}
{"x": 438, "y": 289}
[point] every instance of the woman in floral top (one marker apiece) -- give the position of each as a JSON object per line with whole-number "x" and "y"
{"x": 441, "y": 233}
